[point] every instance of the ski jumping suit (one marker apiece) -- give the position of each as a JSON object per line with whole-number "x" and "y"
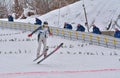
{"x": 42, "y": 37}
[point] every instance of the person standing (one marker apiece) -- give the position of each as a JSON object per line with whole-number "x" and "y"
{"x": 117, "y": 33}
{"x": 67, "y": 26}
{"x": 96, "y": 30}
{"x": 38, "y": 21}
{"x": 80, "y": 28}
{"x": 10, "y": 18}
{"x": 42, "y": 37}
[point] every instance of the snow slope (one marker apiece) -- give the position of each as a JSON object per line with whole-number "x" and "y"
{"x": 75, "y": 59}
{"x": 100, "y": 11}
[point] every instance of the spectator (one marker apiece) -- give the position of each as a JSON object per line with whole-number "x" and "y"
{"x": 117, "y": 33}
{"x": 38, "y": 21}
{"x": 67, "y": 26}
{"x": 10, "y": 18}
{"x": 80, "y": 28}
{"x": 96, "y": 30}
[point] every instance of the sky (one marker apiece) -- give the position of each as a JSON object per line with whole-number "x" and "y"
{"x": 75, "y": 59}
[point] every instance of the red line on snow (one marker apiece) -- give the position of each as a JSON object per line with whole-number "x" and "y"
{"x": 58, "y": 72}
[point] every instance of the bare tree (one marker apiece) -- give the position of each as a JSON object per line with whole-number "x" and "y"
{"x": 40, "y": 6}
{"x": 44, "y": 6}
{"x": 55, "y": 4}
{"x": 3, "y": 10}
{"x": 17, "y": 8}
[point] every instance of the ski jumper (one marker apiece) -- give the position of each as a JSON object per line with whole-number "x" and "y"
{"x": 42, "y": 37}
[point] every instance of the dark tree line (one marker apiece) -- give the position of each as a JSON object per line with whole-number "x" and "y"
{"x": 39, "y": 6}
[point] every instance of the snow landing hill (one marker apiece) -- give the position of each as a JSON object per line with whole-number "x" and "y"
{"x": 75, "y": 59}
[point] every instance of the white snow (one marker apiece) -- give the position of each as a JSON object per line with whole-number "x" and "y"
{"x": 76, "y": 59}
{"x": 100, "y": 11}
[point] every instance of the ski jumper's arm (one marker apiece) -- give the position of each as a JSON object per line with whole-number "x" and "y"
{"x": 36, "y": 30}
{"x": 50, "y": 33}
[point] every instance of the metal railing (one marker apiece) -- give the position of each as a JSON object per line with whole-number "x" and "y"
{"x": 101, "y": 40}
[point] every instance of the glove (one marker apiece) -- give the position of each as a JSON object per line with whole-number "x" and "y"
{"x": 50, "y": 34}
{"x": 29, "y": 35}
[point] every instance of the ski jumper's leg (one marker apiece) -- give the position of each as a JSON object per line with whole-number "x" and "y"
{"x": 38, "y": 37}
{"x": 44, "y": 45}
{"x": 39, "y": 45}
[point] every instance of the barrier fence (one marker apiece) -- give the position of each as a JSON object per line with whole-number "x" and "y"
{"x": 101, "y": 40}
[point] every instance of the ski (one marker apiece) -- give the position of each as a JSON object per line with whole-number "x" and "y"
{"x": 109, "y": 25}
{"x": 50, "y": 53}
{"x": 93, "y": 21}
{"x": 41, "y": 55}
